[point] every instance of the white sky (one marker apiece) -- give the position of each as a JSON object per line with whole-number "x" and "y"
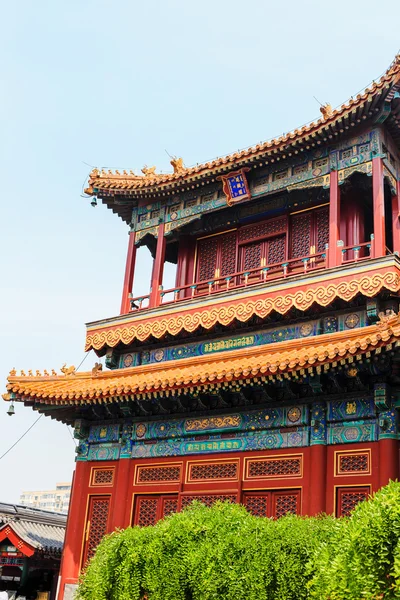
{"x": 114, "y": 83}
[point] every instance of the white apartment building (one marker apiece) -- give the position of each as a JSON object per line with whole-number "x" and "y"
{"x": 55, "y": 500}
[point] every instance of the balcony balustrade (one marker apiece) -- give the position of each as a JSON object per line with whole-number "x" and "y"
{"x": 264, "y": 274}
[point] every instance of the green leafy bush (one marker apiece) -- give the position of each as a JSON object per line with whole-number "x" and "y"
{"x": 361, "y": 560}
{"x": 223, "y": 552}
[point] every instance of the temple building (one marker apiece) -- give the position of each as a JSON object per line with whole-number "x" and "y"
{"x": 269, "y": 374}
{"x": 31, "y": 542}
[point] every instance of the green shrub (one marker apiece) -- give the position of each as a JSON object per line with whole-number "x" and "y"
{"x": 225, "y": 553}
{"x": 203, "y": 553}
{"x": 361, "y": 558}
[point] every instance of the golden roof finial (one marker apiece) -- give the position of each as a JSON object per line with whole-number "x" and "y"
{"x": 13, "y": 372}
{"x": 68, "y": 370}
{"x": 97, "y": 368}
{"x": 149, "y": 171}
{"x": 179, "y": 167}
{"x": 326, "y": 110}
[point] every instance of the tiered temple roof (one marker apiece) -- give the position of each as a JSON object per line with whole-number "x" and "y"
{"x": 283, "y": 359}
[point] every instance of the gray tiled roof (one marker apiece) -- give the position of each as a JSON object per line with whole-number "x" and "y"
{"x": 41, "y": 529}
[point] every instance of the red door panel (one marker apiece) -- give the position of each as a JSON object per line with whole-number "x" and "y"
{"x": 96, "y": 524}
{"x": 150, "y": 509}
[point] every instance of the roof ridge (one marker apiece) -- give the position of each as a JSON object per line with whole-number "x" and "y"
{"x": 149, "y": 176}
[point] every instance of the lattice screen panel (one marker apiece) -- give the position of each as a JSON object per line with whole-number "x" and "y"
{"x": 348, "y": 498}
{"x": 274, "y": 467}
{"x": 103, "y": 477}
{"x": 204, "y": 471}
{"x": 276, "y": 250}
{"x": 257, "y": 505}
{"x": 170, "y": 506}
{"x": 158, "y": 474}
{"x": 251, "y": 256}
{"x": 300, "y": 235}
{"x": 228, "y": 254}
{"x": 261, "y": 230}
{"x": 96, "y": 527}
{"x": 208, "y": 500}
{"x": 322, "y": 219}
{"x": 207, "y": 258}
{"x": 285, "y": 504}
{"x": 357, "y": 462}
{"x": 147, "y": 511}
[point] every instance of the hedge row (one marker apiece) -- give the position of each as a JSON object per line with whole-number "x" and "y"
{"x": 225, "y": 553}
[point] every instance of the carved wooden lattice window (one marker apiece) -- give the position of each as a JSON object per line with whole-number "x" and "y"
{"x": 261, "y": 230}
{"x": 352, "y": 463}
{"x": 301, "y": 235}
{"x": 285, "y": 503}
{"x": 274, "y": 467}
{"x": 150, "y": 509}
{"x": 103, "y": 477}
{"x": 322, "y": 226}
{"x": 96, "y": 525}
{"x": 348, "y": 498}
{"x": 216, "y": 257}
{"x": 257, "y": 505}
{"x": 276, "y": 250}
{"x": 273, "y": 503}
{"x": 228, "y": 255}
{"x": 169, "y": 506}
{"x": 213, "y": 471}
{"x": 208, "y": 500}
{"x": 207, "y": 259}
{"x": 309, "y": 232}
{"x": 251, "y": 258}
{"x": 147, "y": 511}
{"x": 157, "y": 474}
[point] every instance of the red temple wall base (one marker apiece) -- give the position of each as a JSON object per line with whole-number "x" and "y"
{"x": 308, "y": 481}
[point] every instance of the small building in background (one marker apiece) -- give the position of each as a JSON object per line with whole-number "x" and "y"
{"x": 31, "y": 542}
{"x": 54, "y": 500}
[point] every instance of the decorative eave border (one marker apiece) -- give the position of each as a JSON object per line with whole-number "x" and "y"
{"x": 287, "y": 358}
{"x": 301, "y": 295}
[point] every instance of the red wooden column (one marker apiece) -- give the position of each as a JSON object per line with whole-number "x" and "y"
{"x": 71, "y": 558}
{"x": 388, "y": 461}
{"x": 121, "y": 497}
{"x": 318, "y": 459}
{"x": 396, "y": 219}
{"x": 334, "y": 220}
{"x": 158, "y": 268}
{"x": 378, "y": 207}
{"x": 129, "y": 272}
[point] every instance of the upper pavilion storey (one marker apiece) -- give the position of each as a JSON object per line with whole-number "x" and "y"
{"x": 380, "y": 102}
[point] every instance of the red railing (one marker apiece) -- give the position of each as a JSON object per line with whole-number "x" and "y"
{"x": 240, "y": 279}
{"x": 357, "y": 252}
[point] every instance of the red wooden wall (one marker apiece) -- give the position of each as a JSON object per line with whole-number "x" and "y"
{"x": 141, "y": 491}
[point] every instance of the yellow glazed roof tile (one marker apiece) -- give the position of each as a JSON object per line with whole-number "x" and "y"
{"x": 275, "y": 359}
{"x": 114, "y": 180}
